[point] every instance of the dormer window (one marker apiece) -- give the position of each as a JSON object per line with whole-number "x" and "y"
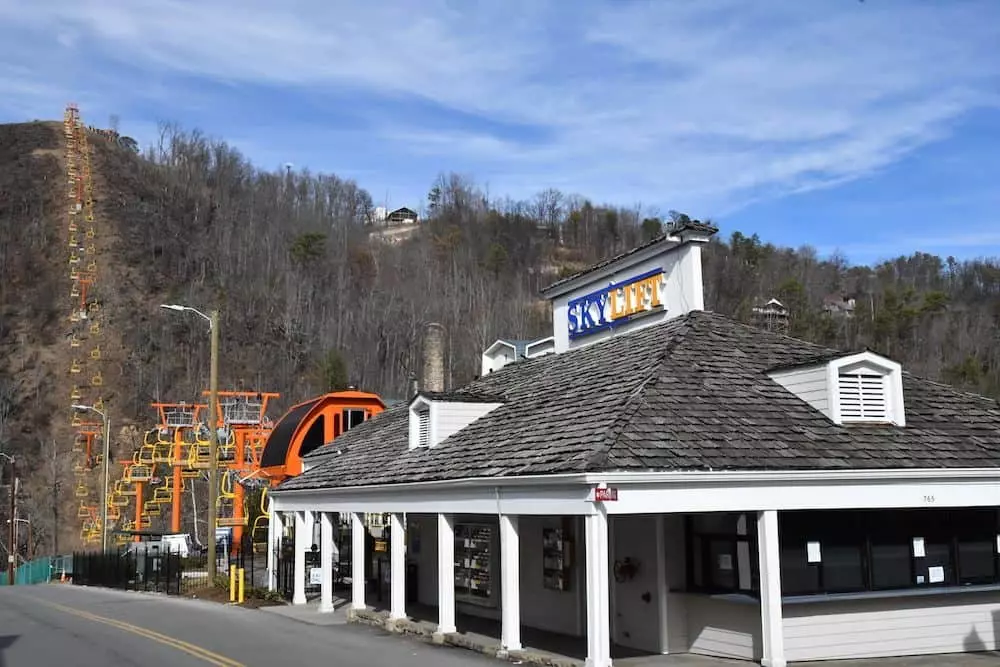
{"x": 862, "y": 388}
{"x": 434, "y": 417}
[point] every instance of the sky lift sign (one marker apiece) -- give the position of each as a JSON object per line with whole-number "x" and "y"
{"x": 616, "y": 304}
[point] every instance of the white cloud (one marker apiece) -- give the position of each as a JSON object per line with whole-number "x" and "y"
{"x": 705, "y": 105}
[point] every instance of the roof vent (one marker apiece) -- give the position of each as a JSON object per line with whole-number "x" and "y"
{"x": 862, "y": 396}
{"x": 435, "y": 416}
{"x": 848, "y": 388}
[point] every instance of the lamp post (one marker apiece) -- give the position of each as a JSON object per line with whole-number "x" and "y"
{"x": 107, "y": 450}
{"x": 13, "y": 511}
{"x": 213, "y": 436}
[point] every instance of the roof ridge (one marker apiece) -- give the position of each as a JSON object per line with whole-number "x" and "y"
{"x": 636, "y": 397}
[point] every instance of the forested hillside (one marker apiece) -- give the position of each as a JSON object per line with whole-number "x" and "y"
{"x": 308, "y": 301}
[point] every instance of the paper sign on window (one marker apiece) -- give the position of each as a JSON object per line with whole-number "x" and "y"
{"x": 813, "y": 553}
{"x": 918, "y": 547}
{"x": 935, "y": 574}
{"x": 725, "y": 562}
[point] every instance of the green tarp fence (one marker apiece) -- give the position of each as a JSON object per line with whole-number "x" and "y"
{"x": 38, "y": 571}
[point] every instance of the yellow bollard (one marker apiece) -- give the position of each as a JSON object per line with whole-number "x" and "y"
{"x": 232, "y": 583}
{"x": 241, "y": 575}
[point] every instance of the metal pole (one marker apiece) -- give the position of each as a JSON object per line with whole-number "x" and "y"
{"x": 13, "y": 530}
{"x": 107, "y": 450}
{"x": 213, "y": 440}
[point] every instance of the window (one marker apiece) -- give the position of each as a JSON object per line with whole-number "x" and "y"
{"x": 847, "y": 551}
{"x": 862, "y": 396}
{"x": 352, "y": 417}
{"x": 722, "y": 552}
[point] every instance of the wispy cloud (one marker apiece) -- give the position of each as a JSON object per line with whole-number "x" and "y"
{"x": 707, "y": 105}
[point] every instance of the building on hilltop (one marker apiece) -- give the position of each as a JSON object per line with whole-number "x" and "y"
{"x": 393, "y": 226}
{"x": 724, "y": 489}
{"x": 771, "y": 316}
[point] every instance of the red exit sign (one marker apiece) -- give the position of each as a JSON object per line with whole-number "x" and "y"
{"x": 605, "y": 494}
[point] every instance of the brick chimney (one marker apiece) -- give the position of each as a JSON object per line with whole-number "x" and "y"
{"x": 433, "y": 379}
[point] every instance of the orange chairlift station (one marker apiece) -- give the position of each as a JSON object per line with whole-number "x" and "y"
{"x": 312, "y": 424}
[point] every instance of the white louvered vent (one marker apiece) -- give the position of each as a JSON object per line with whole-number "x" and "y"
{"x": 862, "y": 397}
{"x": 423, "y": 428}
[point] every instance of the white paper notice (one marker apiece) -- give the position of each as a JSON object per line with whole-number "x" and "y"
{"x": 918, "y": 547}
{"x": 935, "y": 574}
{"x": 315, "y": 576}
{"x": 813, "y": 554}
{"x": 725, "y": 562}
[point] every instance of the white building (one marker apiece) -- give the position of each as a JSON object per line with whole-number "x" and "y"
{"x": 508, "y": 351}
{"x": 673, "y": 481}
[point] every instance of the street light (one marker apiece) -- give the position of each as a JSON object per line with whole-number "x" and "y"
{"x": 14, "y": 533}
{"x": 107, "y": 450}
{"x": 213, "y": 436}
{"x": 13, "y": 513}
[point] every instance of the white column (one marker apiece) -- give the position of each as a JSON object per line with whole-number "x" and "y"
{"x": 397, "y": 573}
{"x": 446, "y": 573}
{"x": 274, "y": 530}
{"x": 772, "y": 628}
{"x": 358, "y": 556}
{"x": 301, "y": 545}
{"x": 326, "y": 562}
{"x": 510, "y": 584}
{"x": 662, "y": 587}
{"x": 598, "y": 591}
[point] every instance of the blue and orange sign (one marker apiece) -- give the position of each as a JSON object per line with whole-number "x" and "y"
{"x": 616, "y": 304}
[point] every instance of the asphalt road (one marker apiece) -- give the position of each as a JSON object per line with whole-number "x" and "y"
{"x": 61, "y": 624}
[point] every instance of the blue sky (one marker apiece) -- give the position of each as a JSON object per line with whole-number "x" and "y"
{"x": 870, "y": 127}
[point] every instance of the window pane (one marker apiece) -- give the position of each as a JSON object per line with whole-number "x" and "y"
{"x": 723, "y": 564}
{"x": 842, "y": 568}
{"x": 797, "y": 576}
{"x": 975, "y": 559}
{"x": 891, "y": 565}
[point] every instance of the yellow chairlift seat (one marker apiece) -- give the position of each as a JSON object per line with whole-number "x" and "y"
{"x": 74, "y": 341}
{"x": 91, "y": 249}
{"x": 162, "y": 495}
{"x": 77, "y": 420}
{"x": 140, "y": 472}
{"x": 81, "y": 491}
{"x": 74, "y": 258}
{"x": 145, "y": 522}
{"x": 92, "y": 266}
{"x": 151, "y": 508}
{"x": 190, "y": 473}
{"x": 75, "y": 367}
{"x": 95, "y": 328}
{"x": 99, "y": 403}
{"x": 82, "y": 512}
{"x": 72, "y": 241}
{"x": 162, "y": 452}
{"x": 96, "y": 353}
{"x": 97, "y": 380}
{"x": 258, "y": 536}
{"x": 90, "y": 217}
{"x": 118, "y": 500}
{"x": 91, "y": 232}
{"x": 147, "y": 455}
{"x": 150, "y": 437}
{"x": 169, "y": 483}
{"x": 75, "y": 394}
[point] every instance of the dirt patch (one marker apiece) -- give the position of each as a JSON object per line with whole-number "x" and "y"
{"x": 252, "y": 600}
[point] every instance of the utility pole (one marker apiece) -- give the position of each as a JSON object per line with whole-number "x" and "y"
{"x": 213, "y": 442}
{"x": 11, "y": 546}
{"x": 213, "y": 431}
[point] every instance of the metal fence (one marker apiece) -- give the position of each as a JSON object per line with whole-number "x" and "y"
{"x": 37, "y": 571}
{"x": 151, "y": 567}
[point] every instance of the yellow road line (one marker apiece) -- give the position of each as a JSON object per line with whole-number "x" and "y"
{"x": 196, "y": 651}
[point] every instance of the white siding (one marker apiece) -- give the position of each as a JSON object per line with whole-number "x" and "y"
{"x": 723, "y": 628}
{"x": 449, "y": 417}
{"x": 809, "y": 384}
{"x": 892, "y": 626}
